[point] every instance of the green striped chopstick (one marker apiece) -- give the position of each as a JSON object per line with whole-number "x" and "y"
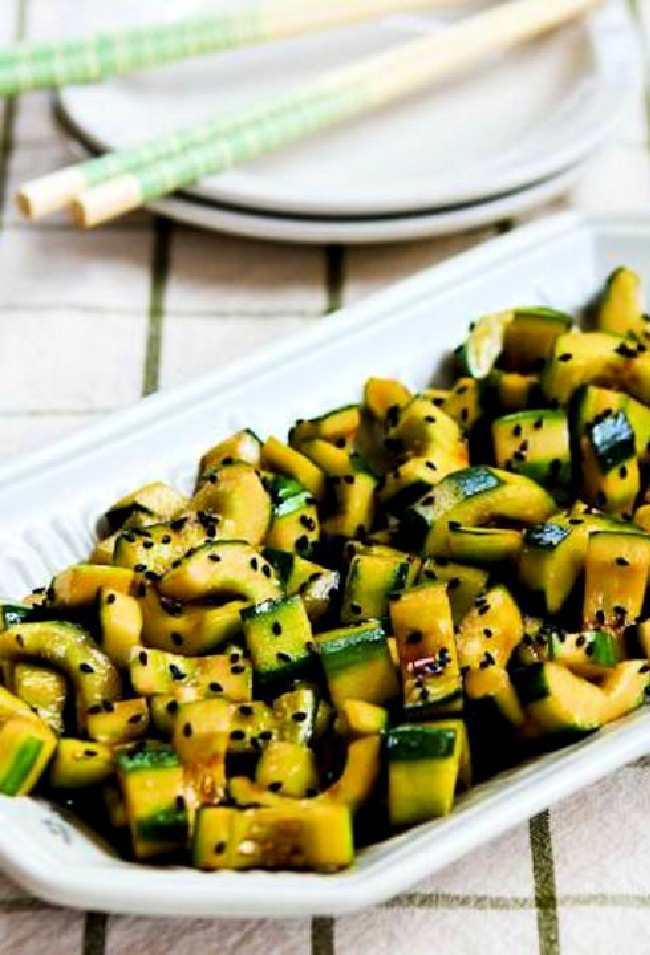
{"x": 337, "y": 96}
{"x": 42, "y": 65}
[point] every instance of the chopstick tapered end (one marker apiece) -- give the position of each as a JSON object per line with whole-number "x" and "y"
{"x": 46, "y": 195}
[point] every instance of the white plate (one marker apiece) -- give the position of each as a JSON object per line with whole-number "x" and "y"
{"x": 207, "y": 214}
{"x": 375, "y": 229}
{"x": 530, "y": 114}
{"x": 51, "y": 499}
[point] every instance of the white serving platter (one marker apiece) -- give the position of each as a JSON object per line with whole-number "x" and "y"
{"x": 523, "y": 118}
{"x": 51, "y": 499}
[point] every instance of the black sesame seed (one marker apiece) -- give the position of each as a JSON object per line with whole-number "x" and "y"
{"x": 275, "y": 787}
{"x": 147, "y": 544}
{"x": 454, "y": 525}
{"x": 246, "y": 710}
{"x": 576, "y": 521}
{"x": 176, "y": 672}
{"x": 356, "y": 608}
{"x": 581, "y": 640}
{"x": 237, "y": 670}
{"x": 430, "y": 419}
{"x": 487, "y": 632}
{"x": 589, "y": 650}
{"x": 215, "y": 687}
{"x": 517, "y": 431}
{"x": 140, "y": 568}
{"x": 176, "y": 638}
{"x": 20, "y": 640}
{"x": 348, "y": 478}
{"x": 539, "y": 423}
{"x": 302, "y": 542}
{"x": 622, "y": 562}
{"x": 483, "y": 609}
{"x": 265, "y": 735}
{"x": 172, "y": 707}
{"x": 308, "y": 522}
{"x": 567, "y": 356}
{"x": 276, "y": 628}
{"x": 392, "y": 415}
{"x": 645, "y": 668}
{"x": 237, "y": 735}
{"x": 415, "y": 636}
{"x": 90, "y": 752}
{"x": 136, "y": 718}
{"x": 339, "y": 443}
{"x": 94, "y": 710}
{"x": 143, "y": 658}
{"x": 519, "y": 456}
{"x": 622, "y": 472}
{"x": 266, "y": 570}
{"x": 283, "y": 657}
{"x": 299, "y": 716}
{"x": 152, "y": 575}
{"x": 453, "y": 583}
{"x": 429, "y": 499}
{"x": 180, "y": 803}
{"x": 254, "y": 563}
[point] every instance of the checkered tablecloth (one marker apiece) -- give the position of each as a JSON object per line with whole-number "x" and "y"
{"x": 90, "y": 323}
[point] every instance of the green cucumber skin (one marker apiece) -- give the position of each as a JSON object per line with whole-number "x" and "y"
{"x": 546, "y": 536}
{"x": 148, "y": 759}
{"x": 21, "y": 766}
{"x": 281, "y": 561}
{"x": 431, "y": 708}
{"x": 353, "y": 649}
{"x": 410, "y": 743}
{"x": 296, "y": 502}
{"x": 612, "y": 440}
{"x": 168, "y": 826}
{"x": 530, "y": 684}
{"x": 267, "y": 607}
{"x": 12, "y": 614}
{"x": 548, "y": 314}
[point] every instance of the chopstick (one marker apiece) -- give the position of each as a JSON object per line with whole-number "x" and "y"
{"x": 337, "y": 96}
{"x": 41, "y": 65}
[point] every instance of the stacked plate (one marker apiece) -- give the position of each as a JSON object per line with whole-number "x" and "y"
{"x": 482, "y": 148}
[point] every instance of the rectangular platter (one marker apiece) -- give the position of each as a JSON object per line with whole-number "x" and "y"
{"x": 51, "y": 500}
